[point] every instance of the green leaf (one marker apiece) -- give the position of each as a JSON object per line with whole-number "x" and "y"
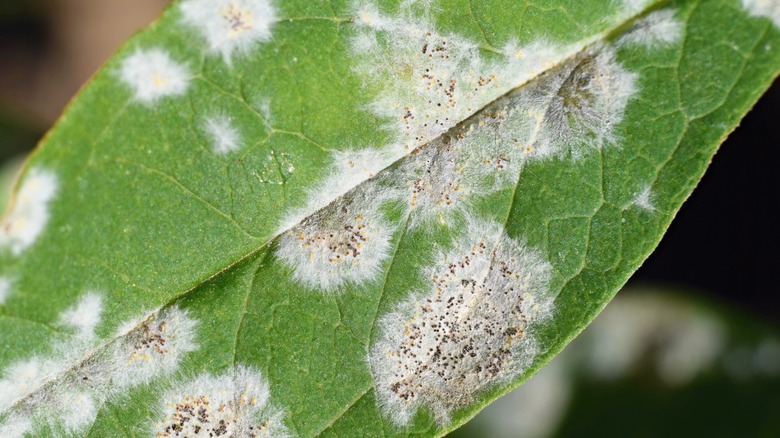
{"x": 353, "y": 218}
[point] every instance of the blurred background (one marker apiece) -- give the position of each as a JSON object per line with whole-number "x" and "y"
{"x": 691, "y": 346}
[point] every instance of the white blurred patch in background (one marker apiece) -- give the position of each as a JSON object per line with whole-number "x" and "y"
{"x": 676, "y": 340}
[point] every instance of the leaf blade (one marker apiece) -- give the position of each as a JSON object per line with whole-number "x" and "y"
{"x": 327, "y": 314}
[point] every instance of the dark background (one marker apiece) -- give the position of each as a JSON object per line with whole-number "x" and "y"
{"x": 725, "y": 241}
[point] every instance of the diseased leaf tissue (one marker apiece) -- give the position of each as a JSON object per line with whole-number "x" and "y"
{"x": 390, "y": 282}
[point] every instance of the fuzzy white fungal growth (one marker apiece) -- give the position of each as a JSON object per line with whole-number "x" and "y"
{"x": 224, "y": 136}
{"x": 344, "y": 243}
{"x": 40, "y": 390}
{"x": 657, "y": 29}
{"x": 85, "y": 315}
{"x": 152, "y": 348}
{"x": 230, "y": 26}
{"x": 232, "y": 405}
{"x": 20, "y": 379}
{"x": 152, "y": 75}
{"x": 75, "y": 410}
{"x": 369, "y": 15}
{"x": 644, "y": 199}
{"x": 5, "y": 289}
{"x": 425, "y": 6}
{"x": 64, "y": 392}
{"x": 437, "y": 187}
{"x": 764, "y": 8}
{"x": 263, "y": 105}
{"x": 428, "y": 82}
{"x": 15, "y": 427}
{"x": 29, "y": 212}
{"x": 576, "y": 108}
{"x": 477, "y": 159}
{"x": 63, "y": 407}
{"x": 348, "y": 170}
{"x": 471, "y": 330}
{"x": 352, "y": 168}
{"x": 568, "y": 113}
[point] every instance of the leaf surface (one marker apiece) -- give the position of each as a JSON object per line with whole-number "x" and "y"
{"x": 324, "y": 218}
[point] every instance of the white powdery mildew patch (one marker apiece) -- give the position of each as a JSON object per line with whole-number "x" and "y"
{"x": 85, "y": 315}
{"x": 576, "y": 108}
{"x": 21, "y": 378}
{"x": 348, "y": 170}
{"x": 428, "y": 82}
{"x": 29, "y": 212}
{"x": 64, "y": 393}
{"x": 471, "y": 330}
{"x": 764, "y": 8}
{"x": 5, "y": 289}
{"x": 263, "y": 105}
{"x": 63, "y": 407}
{"x": 479, "y": 158}
{"x": 230, "y": 26}
{"x": 657, "y": 29}
{"x": 435, "y": 183}
{"x": 150, "y": 349}
{"x": 236, "y": 404}
{"x": 644, "y": 199}
{"x": 75, "y": 410}
{"x": 152, "y": 75}
{"x": 568, "y": 113}
{"x": 15, "y": 427}
{"x": 66, "y": 409}
{"x": 224, "y": 136}
{"x": 347, "y": 242}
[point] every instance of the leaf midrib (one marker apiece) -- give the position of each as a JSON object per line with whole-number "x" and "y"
{"x": 581, "y": 46}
